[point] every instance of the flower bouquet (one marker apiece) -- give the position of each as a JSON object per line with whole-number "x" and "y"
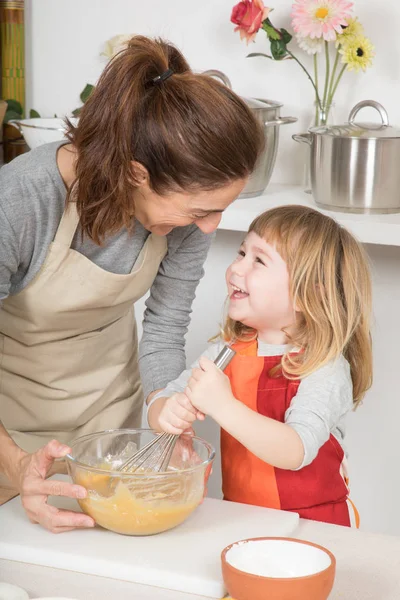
{"x": 321, "y": 27}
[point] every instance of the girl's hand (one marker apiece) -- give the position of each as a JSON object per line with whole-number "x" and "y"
{"x": 209, "y": 389}
{"x": 29, "y": 477}
{"x": 178, "y": 414}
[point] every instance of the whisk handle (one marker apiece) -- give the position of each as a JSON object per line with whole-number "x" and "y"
{"x": 224, "y": 357}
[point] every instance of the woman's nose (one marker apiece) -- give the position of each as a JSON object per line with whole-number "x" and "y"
{"x": 209, "y": 223}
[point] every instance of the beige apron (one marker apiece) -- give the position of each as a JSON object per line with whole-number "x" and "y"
{"x": 68, "y": 344}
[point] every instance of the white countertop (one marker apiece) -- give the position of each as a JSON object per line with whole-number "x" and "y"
{"x": 368, "y": 568}
{"x": 370, "y": 229}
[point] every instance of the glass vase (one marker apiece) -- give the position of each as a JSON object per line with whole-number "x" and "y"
{"x": 323, "y": 115}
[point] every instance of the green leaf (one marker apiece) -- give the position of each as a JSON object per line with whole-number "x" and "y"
{"x": 33, "y": 114}
{"x": 15, "y": 106}
{"x": 278, "y": 49}
{"x": 272, "y": 33}
{"x": 76, "y": 112}
{"x": 286, "y": 36}
{"x": 253, "y": 54}
{"x": 86, "y": 92}
{"x": 11, "y": 114}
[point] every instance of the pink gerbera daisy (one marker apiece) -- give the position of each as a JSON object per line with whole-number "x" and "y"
{"x": 320, "y": 18}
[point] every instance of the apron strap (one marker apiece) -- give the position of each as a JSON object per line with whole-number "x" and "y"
{"x": 68, "y": 224}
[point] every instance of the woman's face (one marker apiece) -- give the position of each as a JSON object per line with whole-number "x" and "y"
{"x": 161, "y": 214}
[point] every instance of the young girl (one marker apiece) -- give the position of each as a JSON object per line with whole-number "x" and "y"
{"x": 299, "y": 320}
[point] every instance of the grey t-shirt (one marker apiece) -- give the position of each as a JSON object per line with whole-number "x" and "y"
{"x": 318, "y": 409}
{"x": 32, "y": 201}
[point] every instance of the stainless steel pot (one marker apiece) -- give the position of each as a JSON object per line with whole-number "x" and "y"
{"x": 355, "y": 167}
{"x": 267, "y": 113}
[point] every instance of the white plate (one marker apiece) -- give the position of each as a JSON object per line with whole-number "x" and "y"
{"x": 12, "y": 592}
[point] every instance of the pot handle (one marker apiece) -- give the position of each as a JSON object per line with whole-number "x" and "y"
{"x": 303, "y": 138}
{"x": 15, "y": 123}
{"x": 281, "y": 121}
{"x": 219, "y": 75}
{"x": 372, "y": 104}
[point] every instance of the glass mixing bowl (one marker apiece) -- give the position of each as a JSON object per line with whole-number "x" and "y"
{"x": 138, "y": 503}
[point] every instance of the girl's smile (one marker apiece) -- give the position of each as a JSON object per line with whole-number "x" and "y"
{"x": 237, "y": 293}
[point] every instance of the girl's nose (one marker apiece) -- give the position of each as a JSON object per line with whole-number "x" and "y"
{"x": 238, "y": 268}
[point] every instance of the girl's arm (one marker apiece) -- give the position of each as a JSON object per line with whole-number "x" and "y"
{"x": 322, "y": 400}
{"x": 273, "y": 442}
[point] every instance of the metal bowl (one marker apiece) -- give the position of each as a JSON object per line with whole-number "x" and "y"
{"x": 138, "y": 503}
{"x": 41, "y": 131}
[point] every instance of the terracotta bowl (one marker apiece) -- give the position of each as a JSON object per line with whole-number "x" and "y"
{"x": 278, "y": 569}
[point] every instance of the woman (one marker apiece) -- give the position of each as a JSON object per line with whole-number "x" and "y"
{"x": 87, "y": 228}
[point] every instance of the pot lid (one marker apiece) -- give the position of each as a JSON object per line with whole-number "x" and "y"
{"x": 260, "y": 104}
{"x": 361, "y": 130}
{"x": 252, "y": 103}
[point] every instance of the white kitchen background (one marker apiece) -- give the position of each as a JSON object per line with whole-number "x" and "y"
{"x": 64, "y": 41}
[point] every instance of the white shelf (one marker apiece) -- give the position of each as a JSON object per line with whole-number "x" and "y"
{"x": 370, "y": 229}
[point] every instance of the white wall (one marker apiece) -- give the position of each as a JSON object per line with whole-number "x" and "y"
{"x": 64, "y": 39}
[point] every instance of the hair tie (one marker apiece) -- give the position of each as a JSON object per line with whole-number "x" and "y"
{"x": 160, "y": 78}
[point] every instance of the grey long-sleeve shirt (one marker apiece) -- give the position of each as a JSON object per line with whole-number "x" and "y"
{"x": 32, "y": 201}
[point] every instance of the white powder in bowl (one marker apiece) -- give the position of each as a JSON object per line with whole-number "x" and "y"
{"x": 277, "y": 558}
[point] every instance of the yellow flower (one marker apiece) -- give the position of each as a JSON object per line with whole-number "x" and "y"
{"x": 353, "y": 29}
{"x": 357, "y": 53}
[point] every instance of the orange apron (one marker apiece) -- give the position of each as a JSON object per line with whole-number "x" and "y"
{"x": 68, "y": 344}
{"x": 318, "y": 491}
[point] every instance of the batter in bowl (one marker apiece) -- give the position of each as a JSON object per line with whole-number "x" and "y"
{"x": 141, "y": 506}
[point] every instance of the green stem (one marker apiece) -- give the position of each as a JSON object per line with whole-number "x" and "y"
{"x": 317, "y": 86}
{"x": 337, "y": 83}
{"x": 308, "y": 75}
{"x": 327, "y": 73}
{"x": 333, "y": 74}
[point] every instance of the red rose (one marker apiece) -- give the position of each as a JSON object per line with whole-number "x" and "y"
{"x": 248, "y": 15}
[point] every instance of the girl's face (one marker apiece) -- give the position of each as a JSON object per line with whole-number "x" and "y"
{"x": 161, "y": 214}
{"x": 258, "y": 289}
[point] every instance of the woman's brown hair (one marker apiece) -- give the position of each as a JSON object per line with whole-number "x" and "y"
{"x": 330, "y": 286}
{"x": 190, "y": 132}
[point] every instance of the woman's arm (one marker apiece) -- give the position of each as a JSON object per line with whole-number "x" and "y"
{"x": 168, "y": 309}
{"x": 10, "y": 454}
{"x": 27, "y": 473}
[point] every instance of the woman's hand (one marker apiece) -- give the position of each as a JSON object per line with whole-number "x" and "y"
{"x": 29, "y": 477}
{"x": 209, "y": 389}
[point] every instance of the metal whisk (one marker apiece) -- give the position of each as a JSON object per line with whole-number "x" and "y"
{"x": 155, "y": 456}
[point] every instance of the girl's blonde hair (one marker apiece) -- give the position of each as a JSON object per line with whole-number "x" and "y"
{"x": 330, "y": 286}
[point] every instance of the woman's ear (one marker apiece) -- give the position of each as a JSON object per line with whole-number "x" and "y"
{"x": 139, "y": 173}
